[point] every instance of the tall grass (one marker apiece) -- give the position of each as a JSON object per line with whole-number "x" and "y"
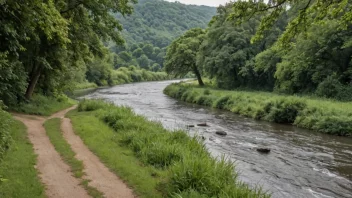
{"x": 189, "y": 167}
{"x": 44, "y": 105}
{"x": 321, "y": 115}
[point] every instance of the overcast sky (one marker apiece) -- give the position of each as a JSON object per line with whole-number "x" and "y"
{"x": 213, "y": 3}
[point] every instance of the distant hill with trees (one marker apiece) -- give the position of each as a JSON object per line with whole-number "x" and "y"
{"x": 153, "y": 25}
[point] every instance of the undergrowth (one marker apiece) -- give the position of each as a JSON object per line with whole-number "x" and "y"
{"x": 43, "y": 105}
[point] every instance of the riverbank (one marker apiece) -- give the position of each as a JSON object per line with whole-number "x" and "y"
{"x": 155, "y": 162}
{"x": 321, "y": 115}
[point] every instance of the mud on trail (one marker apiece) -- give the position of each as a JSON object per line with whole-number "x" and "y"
{"x": 56, "y": 175}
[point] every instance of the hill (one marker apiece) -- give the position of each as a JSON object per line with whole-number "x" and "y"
{"x": 152, "y": 27}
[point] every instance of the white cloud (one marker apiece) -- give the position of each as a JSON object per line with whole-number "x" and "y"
{"x": 213, "y": 3}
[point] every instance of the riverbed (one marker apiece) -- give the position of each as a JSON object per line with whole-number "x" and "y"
{"x": 301, "y": 163}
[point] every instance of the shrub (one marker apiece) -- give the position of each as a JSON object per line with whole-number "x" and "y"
{"x": 283, "y": 110}
{"x": 222, "y": 102}
{"x": 337, "y": 125}
{"x": 205, "y": 100}
{"x": 206, "y": 92}
{"x": 329, "y": 88}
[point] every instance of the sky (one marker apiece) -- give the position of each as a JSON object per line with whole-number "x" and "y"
{"x": 213, "y": 3}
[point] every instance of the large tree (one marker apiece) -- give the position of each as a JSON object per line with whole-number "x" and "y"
{"x": 307, "y": 13}
{"x": 48, "y": 37}
{"x": 181, "y": 54}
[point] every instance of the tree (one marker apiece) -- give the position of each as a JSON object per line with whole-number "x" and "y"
{"x": 49, "y": 37}
{"x": 181, "y": 54}
{"x": 307, "y": 13}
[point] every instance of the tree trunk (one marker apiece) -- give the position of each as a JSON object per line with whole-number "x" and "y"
{"x": 199, "y": 78}
{"x": 33, "y": 82}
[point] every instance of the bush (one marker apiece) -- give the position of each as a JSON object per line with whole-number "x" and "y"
{"x": 222, "y": 102}
{"x": 206, "y": 92}
{"x": 283, "y": 110}
{"x": 329, "y": 88}
{"x": 5, "y": 136}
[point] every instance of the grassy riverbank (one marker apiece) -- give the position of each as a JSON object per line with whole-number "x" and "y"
{"x": 18, "y": 176}
{"x": 155, "y": 162}
{"x": 321, "y": 115}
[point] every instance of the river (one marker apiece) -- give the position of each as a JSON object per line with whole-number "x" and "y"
{"x": 301, "y": 163}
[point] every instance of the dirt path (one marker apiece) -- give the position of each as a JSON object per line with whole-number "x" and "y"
{"x": 101, "y": 177}
{"x": 54, "y": 173}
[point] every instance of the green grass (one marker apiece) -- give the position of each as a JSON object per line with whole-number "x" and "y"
{"x": 53, "y": 130}
{"x": 155, "y": 162}
{"x": 323, "y": 115}
{"x": 18, "y": 177}
{"x": 42, "y": 105}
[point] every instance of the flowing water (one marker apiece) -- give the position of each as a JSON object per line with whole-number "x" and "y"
{"x": 301, "y": 163}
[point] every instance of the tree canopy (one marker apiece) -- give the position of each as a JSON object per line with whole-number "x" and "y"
{"x": 307, "y": 13}
{"x": 292, "y": 47}
{"x": 181, "y": 54}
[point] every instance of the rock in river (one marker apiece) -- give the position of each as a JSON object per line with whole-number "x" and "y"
{"x": 263, "y": 150}
{"x": 222, "y": 133}
{"x": 202, "y": 124}
{"x": 191, "y": 125}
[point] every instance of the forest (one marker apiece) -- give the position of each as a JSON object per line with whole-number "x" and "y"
{"x": 290, "y": 47}
{"x": 152, "y": 27}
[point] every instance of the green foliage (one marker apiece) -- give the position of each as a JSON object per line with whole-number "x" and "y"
{"x": 187, "y": 166}
{"x": 181, "y": 54}
{"x": 283, "y": 110}
{"x": 18, "y": 175}
{"x": 45, "y": 46}
{"x": 227, "y": 55}
{"x": 325, "y": 116}
{"x": 44, "y": 105}
{"x": 159, "y": 22}
{"x": 5, "y": 132}
{"x": 153, "y": 26}
{"x": 307, "y": 13}
{"x": 12, "y": 80}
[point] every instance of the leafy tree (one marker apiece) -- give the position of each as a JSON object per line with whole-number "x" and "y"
{"x": 181, "y": 54}
{"x": 227, "y": 54}
{"x": 50, "y": 37}
{"x": 308, "y": 12}
{"x": 143, "y": 61}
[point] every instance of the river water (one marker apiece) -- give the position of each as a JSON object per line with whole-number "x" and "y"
{"x": 301, "y": 163}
